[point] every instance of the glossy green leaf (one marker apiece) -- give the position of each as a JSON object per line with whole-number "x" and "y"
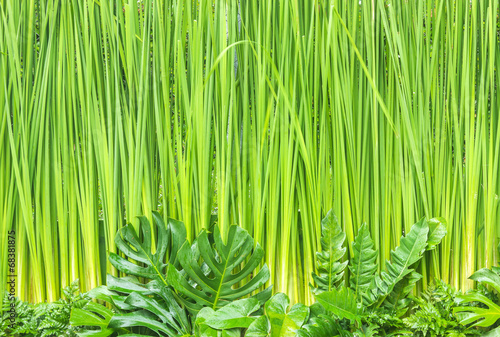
{"x": 284, "y": 322}
{"x": 204, "y": 330}
{"x": 398, "y": 302}
{"x": 141, "y": 319}
{"x": 488, "y": 277}
{"x": 224, "y": 261}
{"x": 321, "y": 326}
{"x": 141, "y": 250}
{"x": 341, "y": 302}
{"x": 363, "y": 265}
{"x": 437, "y": 231}
{"x": 261, "y": 327}
{"x": 92, "y": 315}
{"x": 234, "y": 315}
{"x": 329, "y": 268}
{"x": 410, "y": 251}
{"x": 483, "y": 317}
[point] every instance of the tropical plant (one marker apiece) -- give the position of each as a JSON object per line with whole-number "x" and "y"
{"x": 369, "y": 292}
{"x": 265, "y": 113}
{"x": 432, "y": 313}
{"x": 279, "y": 318}
{"x": 488, "y": 313}
{"x": 213, "y": 283}
{"x": 150, "y": 299}
{"x": 25, "y": 322}
{"x": 43, "y": 319}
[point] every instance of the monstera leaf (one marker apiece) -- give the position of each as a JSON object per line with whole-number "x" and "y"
{"x": 330, "y": 269}
{"x": 481, "y": 316}
{"x": 363, "y": 266}
{"x": 158, "y": 313}
{"x": 152, "y": 305}
{"x": 211, "y": 274}
{"x": 92, "y": 315}
{"x": 128, "y": 242}
{"x": 284, "y": 322}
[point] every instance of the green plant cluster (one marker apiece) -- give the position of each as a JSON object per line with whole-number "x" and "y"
{"x": 44, "y": 319}
{"x": 212, "y": 287}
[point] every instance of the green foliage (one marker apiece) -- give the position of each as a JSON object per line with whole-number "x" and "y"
{"x": 285, "y": 321}
{"x": 93, "y": 319}
{"x": 44, "y": 319}
{"x": 372, "y": 305}
{"x": 390, "y": 289}
{"x": 384, "y": 110}
{"x": 328, "y": 261}
{"x": 363, "y": 265}
{"x": 157, "y": 302}
{"x": 138, "y": 306}
{"x": 261, "y": 327}
{"x": 140, "y": 250}
{"x": 215, "y": 281}
{"x": 374, "y": 300}
{"x": 279, "y": 319}
{"x": 25, "y": 323}
{"x": 234, "y": 315}
{"x": 342, "y": 303}
{"x": 55, "y": 317}
{"x": 403, "y": 259}
{"x": 488, "y": 313}
{"x": 321, "y": 326}
{"x": 432, "y": 313}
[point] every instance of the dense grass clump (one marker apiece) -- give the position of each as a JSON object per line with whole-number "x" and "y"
{"x": 260, "y": 113}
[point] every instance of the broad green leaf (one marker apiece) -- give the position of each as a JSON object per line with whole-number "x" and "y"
{"x": 398, "y": 302}
{"x": 141, "y": 319}
{"x": 261, "y": 327}
{"x": 168, "y": 311}
{"x": 483, "y": 317}
{"x": 341, "y": 302}
{"x": 329, "y": 268}
{"x": 285, "y": 323}
{"x": 487, "y": 276}
{"x": 92, "y": 315}
{"x": 410, "y": 251}
{"x": 141, "y": 250}
{"x": 126, "y": 284}
{"x": 363, "y": 265}
{"x": 139, "y": 304}
{"x": 321, "y": 326}
{"x": 228, "y": 263}
{"x": 204, "y": 330}
{"x": 233, "y": 315}
{"x": 437, "y": 231}
{"x": 177, "y": 236}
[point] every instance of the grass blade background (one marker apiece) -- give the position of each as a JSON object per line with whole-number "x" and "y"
{"x": 262, "y": 113}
